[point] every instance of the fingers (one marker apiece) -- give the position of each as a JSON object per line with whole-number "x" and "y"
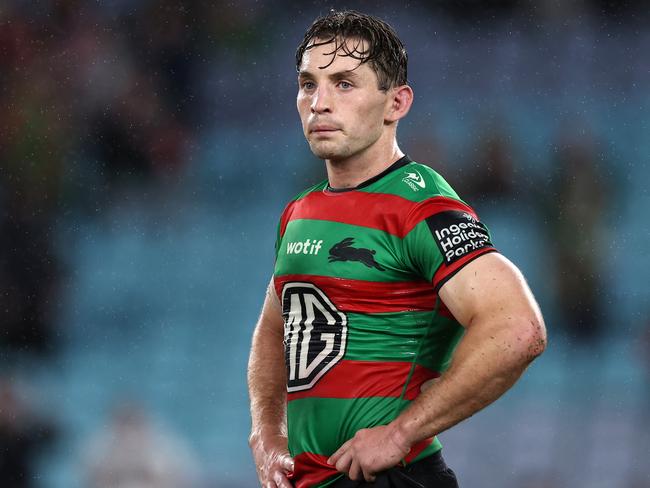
{"x": 355, "y": 470}
{"x": 339, "y": 452}
{"x": 367, "y": 475}
{"x": 287, "y": 463}
{"x": 351, "y": 466}
{"x": 344, "y": 461}
{"x": 274, "y": 473}
{"x": 280, "y": 480}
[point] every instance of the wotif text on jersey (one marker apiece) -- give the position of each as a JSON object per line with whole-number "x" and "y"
{"x": 304, "y": 247}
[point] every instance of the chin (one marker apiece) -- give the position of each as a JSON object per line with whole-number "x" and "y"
{"x": 328, "y": 151}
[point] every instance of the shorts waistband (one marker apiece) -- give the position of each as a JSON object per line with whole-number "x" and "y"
{"x": 434, "y": 462}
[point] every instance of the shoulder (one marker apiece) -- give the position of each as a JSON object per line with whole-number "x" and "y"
{"x": 428, "y": 188}
{"x": 317, "y": 187}
{"x": 430, "y": 193}
{"x": 417, "y": 183}
{"x": 303, "y": 194}
{"x": 430, "y": 183}
{"x": 289, "y": 208}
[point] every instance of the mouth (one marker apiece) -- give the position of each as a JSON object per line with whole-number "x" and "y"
{"x": 323, "y": 129}
{"x": 322, "y": 134}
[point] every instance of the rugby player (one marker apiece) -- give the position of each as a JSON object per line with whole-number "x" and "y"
{"x": 390, "y": 316}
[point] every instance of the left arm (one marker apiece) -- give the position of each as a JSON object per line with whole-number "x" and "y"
{"x": 504, "y": 333}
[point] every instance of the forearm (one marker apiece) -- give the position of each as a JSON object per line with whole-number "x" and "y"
{"x": 504, "y": 333}
{"x": 267, "y": 384}
{"x": 267, "y": 376}
{"x": 268, "y": 397}
{"x": 490, "y": 358}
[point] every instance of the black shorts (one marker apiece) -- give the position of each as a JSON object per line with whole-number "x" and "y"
{"x": 430, "y": 472}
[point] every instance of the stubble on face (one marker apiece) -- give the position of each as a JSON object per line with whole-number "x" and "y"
{"x": 330, "y": 150}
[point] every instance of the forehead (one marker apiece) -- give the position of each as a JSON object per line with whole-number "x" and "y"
{"x": 340, "y": 54}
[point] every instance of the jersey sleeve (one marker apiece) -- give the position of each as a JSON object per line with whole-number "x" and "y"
{"x": 282, "y": 226}
{"x": 442, "y": 235}
{"x": 288, "y": 210}
{"x": 278, "y": 239}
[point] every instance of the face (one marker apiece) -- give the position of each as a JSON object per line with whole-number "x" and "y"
{"x": 341, "y": 106}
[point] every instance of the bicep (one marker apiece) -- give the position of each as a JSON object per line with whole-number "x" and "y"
{"x": 267, "y": 349}
{"x": 490, "y": 287}
{"x": 270, "y": 319}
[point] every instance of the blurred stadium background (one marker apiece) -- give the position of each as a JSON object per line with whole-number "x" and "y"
{"x": 147, "y": 149}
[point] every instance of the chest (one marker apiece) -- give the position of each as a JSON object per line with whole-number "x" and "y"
{"x": 338, "y": 249}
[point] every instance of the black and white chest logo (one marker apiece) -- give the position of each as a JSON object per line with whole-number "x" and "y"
{"x": 315, "y": 334}
{"x": 343, "y": 251}
{"x": 457, "y": 234}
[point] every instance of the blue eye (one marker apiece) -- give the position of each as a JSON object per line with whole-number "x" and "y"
{"x": 308, "y": 85}
{"x": 345, "y": 85}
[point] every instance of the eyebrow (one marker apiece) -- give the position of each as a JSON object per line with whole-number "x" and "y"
{"x": 335, "y": 76}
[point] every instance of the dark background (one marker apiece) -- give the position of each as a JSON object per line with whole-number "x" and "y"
{"x": 146, "y": 152}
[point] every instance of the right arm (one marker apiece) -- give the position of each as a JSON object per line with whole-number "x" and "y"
{"x": 268, "y": 396}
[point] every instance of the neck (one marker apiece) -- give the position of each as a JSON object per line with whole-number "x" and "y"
{"x": 351, "y": 172}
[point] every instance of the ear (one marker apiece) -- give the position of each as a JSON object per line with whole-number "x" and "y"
{"x": 400, "y": 99}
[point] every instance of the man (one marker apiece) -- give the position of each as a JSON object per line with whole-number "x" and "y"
{"x": 381, "y": 274}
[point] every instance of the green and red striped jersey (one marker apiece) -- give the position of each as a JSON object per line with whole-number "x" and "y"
{"x": 358, "y": 272}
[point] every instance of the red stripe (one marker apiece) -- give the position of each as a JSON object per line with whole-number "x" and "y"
{"x": 381, "y": 211}
{"x": 417, "y": 448}
{"x": 360, "y": 296}
{"x": 363, "y": 379}
{"x": 389, "y": 213}
{"x": 286, "y": 216}
{"x": 432, "y": 206}
{"x": 443, "y": 311}
{"x": 444, "y": 271}
{"x": 312, "y": 469}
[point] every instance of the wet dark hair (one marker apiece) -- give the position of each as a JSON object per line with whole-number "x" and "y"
{"x": 385, "y": 51}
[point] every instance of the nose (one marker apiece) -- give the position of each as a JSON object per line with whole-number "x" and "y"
{"x": 321, "y": 101}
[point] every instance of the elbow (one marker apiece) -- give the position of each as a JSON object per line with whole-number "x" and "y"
{"x": 536, "y": 339}
{"x": 531, "y": 339}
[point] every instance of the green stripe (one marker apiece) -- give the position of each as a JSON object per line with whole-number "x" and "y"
{"x": 394, "y": 184}
{"x": 421, "y": 251}
{"x": 322, "y": 425}
{"x": 396, "y": 336}
{"x": 386, "y": 246}
{"x": 278, "y": 240}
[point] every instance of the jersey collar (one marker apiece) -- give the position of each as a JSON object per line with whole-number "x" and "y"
{"x": 403, "y": 161}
